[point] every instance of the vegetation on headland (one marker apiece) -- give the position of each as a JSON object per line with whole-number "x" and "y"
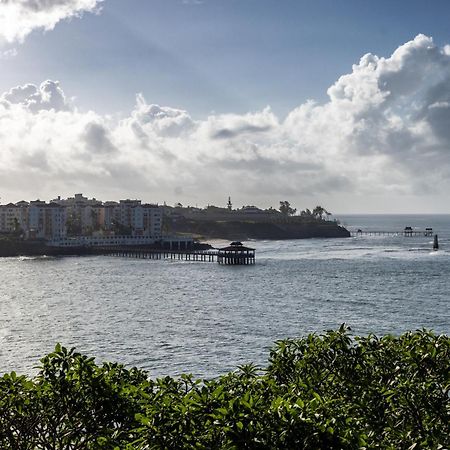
{"x": 245, "y": 229}
{"x": 319, "y": 392}
{"x": 250, "y": 222}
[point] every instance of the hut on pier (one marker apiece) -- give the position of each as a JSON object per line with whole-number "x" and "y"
{"x": 236, "y": 254}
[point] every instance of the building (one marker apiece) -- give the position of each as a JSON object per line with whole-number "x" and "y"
{"x": 84, "y": 215}
{"x": 147, "y": 220}
{"x": 46, "y": 221}
{"x": 79, "y": 216}
{"x": 13, "y": 217}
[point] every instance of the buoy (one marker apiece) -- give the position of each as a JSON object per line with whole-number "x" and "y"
{"x": 436, "y": 242}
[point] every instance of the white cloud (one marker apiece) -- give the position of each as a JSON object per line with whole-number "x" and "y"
{"x": 159, "y": 120}
{"x": 384, "y": 129}
{"x": 8, "y": 54}
{"x": 48, "y": 96}
{"x": 18, "y": 18}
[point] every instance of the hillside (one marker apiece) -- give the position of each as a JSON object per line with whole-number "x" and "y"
{"x": 242, "y": 230}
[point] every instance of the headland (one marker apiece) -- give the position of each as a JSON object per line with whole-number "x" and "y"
{"x": 250, "y": 222}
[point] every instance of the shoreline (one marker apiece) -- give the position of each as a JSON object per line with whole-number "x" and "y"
{"x": 243, "y": 231}
{"x": 14, "y": 249}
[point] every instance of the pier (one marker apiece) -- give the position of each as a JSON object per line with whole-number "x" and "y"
{"x": 234, "y": 254}
{"x": 406, "y": 232}
{"x": 182, "y": 255}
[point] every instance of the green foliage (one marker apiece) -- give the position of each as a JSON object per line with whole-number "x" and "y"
{"x": 320, "y": 213}
{"x": 319, "y": 392}
{"x": 121, "y": 229}
{"x": 73, "y": 225}
{"x": 286, "y": 209}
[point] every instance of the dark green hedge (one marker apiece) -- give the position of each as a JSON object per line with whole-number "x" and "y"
{"x": 319, "y": 392}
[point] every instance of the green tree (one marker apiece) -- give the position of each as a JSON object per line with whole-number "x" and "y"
{"x": 121, "y": 229}
{"x": 286, "y": 209}
{"x": 17, "y": 228}
{"x": 73, "y": 224}
{"x": 320, "y": 213}
{"x": 306, "y": 213}
{"x": 331, "y": 391}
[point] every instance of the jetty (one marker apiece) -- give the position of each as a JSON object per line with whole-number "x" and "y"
{"x": 406, "y": 232}
{"x": 235, "y": 254}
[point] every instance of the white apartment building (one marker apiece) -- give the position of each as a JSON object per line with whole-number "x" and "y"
{"x": 110, "y": 215}
{"x": 125, "y": 214}
{"x": 84, "y": 214}
{"x": 141, "y": 219}
{"x": 46, "y": 221}
{"x": 147, "y": 220}
{"x": 81, "y": 216}
{"x": 13, "y": 218}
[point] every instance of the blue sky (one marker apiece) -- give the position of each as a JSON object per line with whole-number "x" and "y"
{"x": 220, "y": 55}
{"x": 160, "y": 99}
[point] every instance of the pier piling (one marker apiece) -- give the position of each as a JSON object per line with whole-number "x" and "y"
{"x": 436, "y": 242}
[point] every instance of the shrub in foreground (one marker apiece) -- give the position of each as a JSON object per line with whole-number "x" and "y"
{"x": 330, "y": 391}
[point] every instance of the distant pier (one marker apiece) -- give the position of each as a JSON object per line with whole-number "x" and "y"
{"x": 406, "y": 232}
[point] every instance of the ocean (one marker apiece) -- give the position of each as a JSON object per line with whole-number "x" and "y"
{"x": 172, "y": 317}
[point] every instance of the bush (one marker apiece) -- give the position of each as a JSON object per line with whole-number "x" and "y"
{"x": 319, "y": 392}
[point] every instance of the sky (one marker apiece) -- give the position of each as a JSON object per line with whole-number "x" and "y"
{"x": 340, "y": 103}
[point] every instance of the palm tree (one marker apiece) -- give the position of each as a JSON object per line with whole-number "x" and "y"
{"x": 319, "y": 212}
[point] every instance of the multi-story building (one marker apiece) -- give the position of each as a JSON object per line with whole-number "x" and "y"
{"x": 13, "y": 217}
{"x": 84, "y": 215}
{"x": 126, "y": 212}
{"x": 147, "y": 220}
{"x": 46, "y": 221}
{"x": 81, "y": 216}
{"x": 110, "y": 215}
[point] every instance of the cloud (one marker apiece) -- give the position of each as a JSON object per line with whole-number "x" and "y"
{"x": 232, "y": 126}
{"x": 159, "y": 120}
{"x": 97, "y": 139}
{"x": 384, "y": 129}
{"x": 8, "y": 54}
{"x": 18, "y": 18}
{"x": 48, "y": 96}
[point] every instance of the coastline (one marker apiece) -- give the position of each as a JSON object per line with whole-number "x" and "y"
{"x": 240, "y": 230}
{"x": 202, "y": 231}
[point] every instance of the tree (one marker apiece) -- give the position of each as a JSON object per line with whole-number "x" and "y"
{"x": 328, "y": 391}
{"x": 319, "y": 212}
{"x": 306, "y": 213}
{"x": 73, "y": 224}
{"x": 285, "y": 208}
{"x": 121, "y": 229}
{"x": 17, "y": 228}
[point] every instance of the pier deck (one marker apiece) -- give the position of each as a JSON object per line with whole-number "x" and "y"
{"x": 185, "y": 255}
{"x": 213, "y": 255}
{"x": 404, "y": 233}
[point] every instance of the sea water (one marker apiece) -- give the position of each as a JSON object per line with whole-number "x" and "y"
{"x": 170, "y": 317}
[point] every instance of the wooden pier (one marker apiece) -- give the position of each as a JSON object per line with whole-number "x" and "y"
{"x": 182, "y": 255}
{"x": 406, "y": 232}
{"x": 235, "y": 254}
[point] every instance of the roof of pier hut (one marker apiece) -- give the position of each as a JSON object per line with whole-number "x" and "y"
{"x": 236, "y": 247}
